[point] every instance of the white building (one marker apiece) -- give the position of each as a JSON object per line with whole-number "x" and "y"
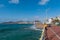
{"x": 59, "y": 18}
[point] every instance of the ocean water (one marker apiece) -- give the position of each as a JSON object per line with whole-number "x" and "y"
{"x": 19, "y": 32}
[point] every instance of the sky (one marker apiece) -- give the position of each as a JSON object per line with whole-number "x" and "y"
{"x": 13, "y": 10}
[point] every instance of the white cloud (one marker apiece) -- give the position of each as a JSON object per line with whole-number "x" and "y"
{"x": 14, "y": 1}
{"x": 43, "y": 2}
{"x": 1, "y": 5}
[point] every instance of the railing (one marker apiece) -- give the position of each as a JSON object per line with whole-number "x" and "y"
{"x": 42, "y": 35}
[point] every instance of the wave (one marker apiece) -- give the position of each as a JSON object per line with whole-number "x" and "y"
{"x": 33, "y": 28}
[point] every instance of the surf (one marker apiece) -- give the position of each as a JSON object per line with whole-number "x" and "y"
{"x": 34, "y": 28}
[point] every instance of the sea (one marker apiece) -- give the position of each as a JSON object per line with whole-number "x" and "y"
{"x": 19, "y": 32}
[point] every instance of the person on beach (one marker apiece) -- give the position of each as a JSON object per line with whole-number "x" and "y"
{"x": 45, "y": 26}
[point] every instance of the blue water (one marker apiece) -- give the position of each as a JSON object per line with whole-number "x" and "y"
{"x": 18, "y": 32}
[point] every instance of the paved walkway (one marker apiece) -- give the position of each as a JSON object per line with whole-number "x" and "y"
{"x": 53, "y": 33}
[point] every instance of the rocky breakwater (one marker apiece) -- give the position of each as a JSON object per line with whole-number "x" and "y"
{"x": 38, "y": 24}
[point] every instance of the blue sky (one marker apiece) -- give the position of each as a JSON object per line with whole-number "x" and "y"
{"x": 11, "y": 10}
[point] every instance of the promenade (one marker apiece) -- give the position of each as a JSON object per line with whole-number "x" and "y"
{"x": 53, "y": 33}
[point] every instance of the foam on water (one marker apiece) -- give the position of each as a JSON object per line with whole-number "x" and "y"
{"x": 34, "y": 28}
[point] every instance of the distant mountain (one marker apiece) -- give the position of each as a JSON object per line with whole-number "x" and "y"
{"x": 18, "y": 22}
{"x": 10, "y": 22}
